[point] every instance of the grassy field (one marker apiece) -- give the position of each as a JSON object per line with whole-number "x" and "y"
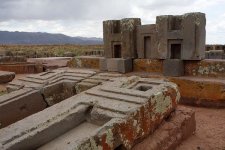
{"x": 48, "y": 50}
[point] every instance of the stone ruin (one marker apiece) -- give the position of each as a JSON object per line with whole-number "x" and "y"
{"x": 84, "y": 109}
{"x": 89, "y": 107}
{"x": 173, "y": 39}
{"x": 215, "y": 52}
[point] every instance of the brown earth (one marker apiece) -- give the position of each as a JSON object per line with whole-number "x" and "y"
{"x": 210, "y": 130}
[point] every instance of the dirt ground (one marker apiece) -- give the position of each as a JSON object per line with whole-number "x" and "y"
{"x": 210, "y": 130}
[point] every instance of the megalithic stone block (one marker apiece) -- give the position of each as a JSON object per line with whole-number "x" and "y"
{"x": 20, "y": 104}
{"x": 116, "y": 113}
{"x": 103, "y": 64}
{"x": 173, "y": 67}
{"x": 119, "y": 65}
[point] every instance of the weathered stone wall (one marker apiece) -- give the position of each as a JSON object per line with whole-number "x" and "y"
{"x": 22, "y": 68}
{"x": 203, "y": 68}
{"x": 90, "y": 62}
{"x": 148, "y": 65}
{"x": 187, "y": 30}
{"x": 123, "y": 33}
{"x": 147, "y": 41}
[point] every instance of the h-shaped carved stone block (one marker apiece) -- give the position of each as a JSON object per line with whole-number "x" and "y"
{"x": 104, "y": 117}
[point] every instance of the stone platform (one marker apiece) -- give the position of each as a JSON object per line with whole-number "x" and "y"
{"x": 117, "y": 113}
{"x": 33, "y": 93}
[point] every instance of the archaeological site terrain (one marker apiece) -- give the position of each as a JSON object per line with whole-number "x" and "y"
{"x": 149, "y": 87}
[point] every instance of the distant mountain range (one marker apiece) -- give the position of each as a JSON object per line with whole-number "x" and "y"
{"x": 7, "y": 37}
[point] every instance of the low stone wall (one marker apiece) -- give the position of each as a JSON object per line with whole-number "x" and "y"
{"x": 201, "y": 91}
{"x": 50, "y": 63}
{"x": 148, "y": 65}
{"x": 203, "y": 68}
{"x": 22, "y": 68}
{"x": 90, "y": 62}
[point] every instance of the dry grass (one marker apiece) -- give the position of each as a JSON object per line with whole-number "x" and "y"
{"x": 48, "y": 50}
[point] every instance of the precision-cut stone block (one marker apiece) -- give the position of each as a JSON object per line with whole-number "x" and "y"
{"x": 20, "y": 104}
{"x": 6, "y": 76}
{"x": 120, "y": 38}
{"x": 119, "y": 113}
{"x": 41, "y": 80}
{"x": 90, "y": 62}
{"x": 173, "y": 67}
{"x": 103, "y": 64}
{"x": 95, "y": 80}
{"x": 119, "y": 65}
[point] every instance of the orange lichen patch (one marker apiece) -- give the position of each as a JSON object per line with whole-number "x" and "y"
{"x": 144, "y": 121}
{"x": 148, "y": 65}
{"x": 205, "y": 68}
{"x": 201, "y": 88}
{"x": 172, "y": 93}
{"x": 104, "y": 143}
{"x": 84, "y": 62}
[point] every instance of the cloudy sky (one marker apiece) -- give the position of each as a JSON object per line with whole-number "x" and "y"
{"x": 84, "y": 17}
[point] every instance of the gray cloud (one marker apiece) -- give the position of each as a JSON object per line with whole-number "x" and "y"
{"x": 84, "y": 17}
{"x": 62, "y": 9}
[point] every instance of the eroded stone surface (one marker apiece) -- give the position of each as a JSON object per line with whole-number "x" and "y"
{"x": 52, "y": 62}
{"x": 51, "y": 87}
{"x": 22, "y": 67}
{"x": 126, "y": 110}
{"x": 178, "y": 127}
{"x": 6, "y": 76}
{"x": 51, "y": 77}
{"x": 20, "y": 104}
{"x": 90, "y": 62}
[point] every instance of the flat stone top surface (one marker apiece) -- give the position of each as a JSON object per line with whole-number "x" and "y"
{"x": 51, "y": 61}
{"x": 6, "y": 73}
{"x": 89, "y": 57}
{"x": 126, "y": 109}
{"x": 50, "y": 58}
{"x": 47, "y": 78}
